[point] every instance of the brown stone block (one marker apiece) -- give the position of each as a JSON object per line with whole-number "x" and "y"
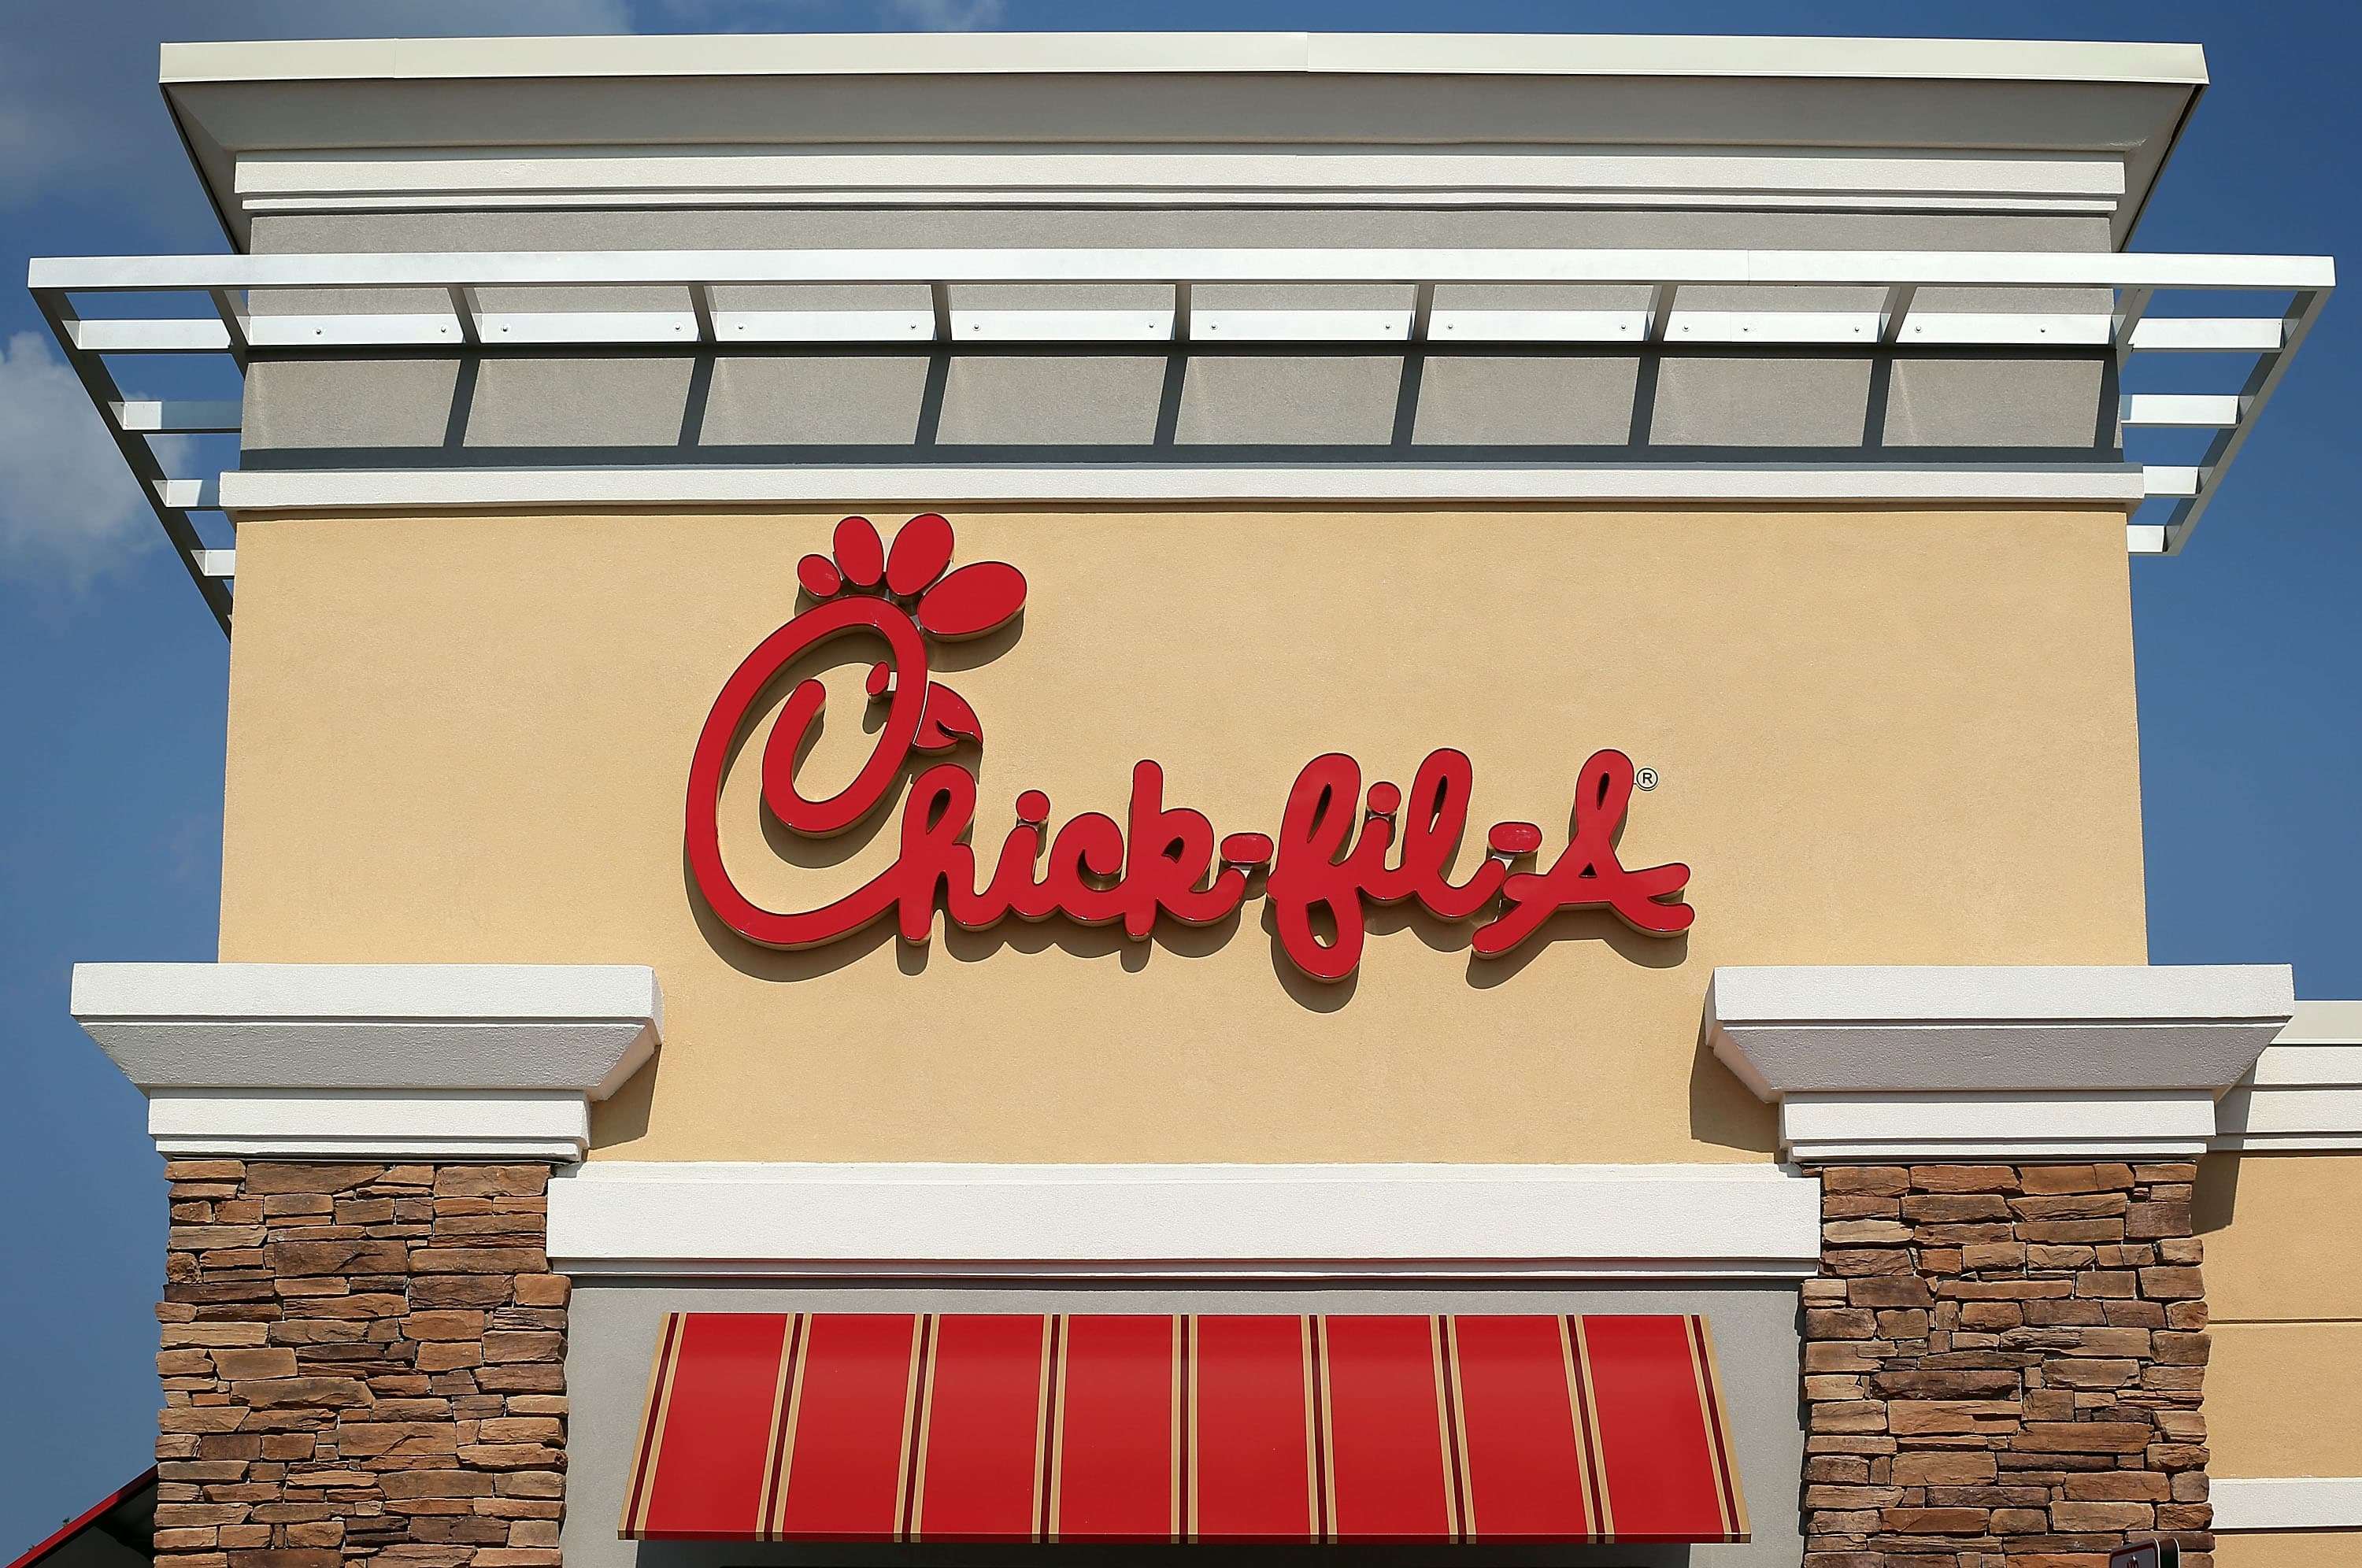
{"x": 1919, "y": 1417}
{"x": 2072, "y": 1231}
{"x": 348, "y": 1257}
{"x": 274, "y": 1361}
{"x": 522, "y": 1377}
{"x": 2158, "y": 1220}
{"x": 466, "y": 1290}
{"x": 1964, "y": 1178}
{"x": 315, "y": 1393}
{"x": 543, "y": 1290}
{"x": 1944, "y": 1467}
{"x": 201, "y": 1418}
{"x": 353, "y": 1307}
{"x": 436, "y": 1484}
{"x": 1952, "y": 1208}
{"x": 443, "y": 1324}
{"x": 1857, "y": 1262}
{"x": 287, "y": 1445}
{"x": 2081, "y": 1516}
{"x": 2076, "y": 1206}
{"x": 479, "y": 1260}
{"x": 2046, "y": 1179}
{"x": 447, "y": 1357}
{"x": 492, "y": 1181}
{"x": 360, "y": 1440}
{"x": 1831, "y": 1386}
{"x": 211, "y": 1238}
{"x": 1948, "y": 1384}
{"x": 1895, "y": 1291}
{"x": 2168, "y": 1283}
{"x": 1935, "y": 1521}
{"x": 194, "y": 1539}
{"x": 525, "y": 1346}
{"x": 1991, "y": 1314}
{"x": 188, "y": 1516}
{"x": 1967, "y": 1235}
{"x": 2002, "y": 1290}
{"x": 530, "y": 1483}
{"x": 265, "y": 1178}
{"x": 288, "y": 1557}
{"x": 1851, "y": 1497}
{"x": 2181, "y": 1249}
{"x": 1978, "y": 1256}
{"x": 1865, "y": 1232}
{"x": 2082, "y": 1437}
{"x": 1846, "y": 1208}
{"x": 1847, "y": 1416}
{"x": 2180, "y": 1349}
{"x": 516, "y": 1557}
{"x": 203, "y": 1170}
{"x": 2188, "y": 1316}
{"x": 510, "y": 1456}
{"x": 1840, "y": 1323}
{"x": 178, "y": 1335}
{"x": 2122, "y": 1487}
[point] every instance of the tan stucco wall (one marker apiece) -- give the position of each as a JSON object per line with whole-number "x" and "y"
{"x": 2317, "y": 1548}
{"x": 1884, "y": 736}
{"x": 2283, "y": 1236}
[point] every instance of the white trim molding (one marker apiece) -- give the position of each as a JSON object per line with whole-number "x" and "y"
{"x": 1345, "y": 1223}
{"x": 2286, "y": 1503}
{"x": 307, "y": 489}
{"x": 394, "y": 1061}
{"x": 2305, "y": 1092}
{"x": 1979, "y": 1063}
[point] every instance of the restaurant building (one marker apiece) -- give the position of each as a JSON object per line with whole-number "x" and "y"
{"x": 1038, "y": 793}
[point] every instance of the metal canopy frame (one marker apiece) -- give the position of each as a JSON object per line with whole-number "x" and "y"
{"x": 250, "y": 313}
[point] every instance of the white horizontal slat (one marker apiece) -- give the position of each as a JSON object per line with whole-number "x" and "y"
{"x": 167, "y": 416}
{"x": 2209, "y": 335}
{"x": 1538, "y": 326}
{"x": 372, "y": 329}
{"x": 2166, "y": 479}
{"x": 587, "y": 326}
{"x": 188, "y": 336}
{"x": 270, "y": 490}
{"x": 217, "y": 563}
{"x": 496, "y": 269}
{"x": 1299, "y": 325}
{"x": 1772, "y": 327}
{"x": 2145, "y": 538}
{"x": 1061, "y": 325}
{"x": 189, "y": 495}
{"x": 824, "y": 325}
{"x": 2206, "y": 411}
{"x": 2006, "y": 328}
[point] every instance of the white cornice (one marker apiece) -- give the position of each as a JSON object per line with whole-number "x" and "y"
{"x": 1192, "y": 118}
{"x": 2305, "y": 1092}
{"x": 1968, "y": 1063}
{"x": 1194, "y": 54}
{"x": 1184, "y": 1221}
{"x": 455, "y": 1061}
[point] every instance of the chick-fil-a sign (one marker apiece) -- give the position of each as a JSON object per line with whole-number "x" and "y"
{"x": 1338, "y": 850}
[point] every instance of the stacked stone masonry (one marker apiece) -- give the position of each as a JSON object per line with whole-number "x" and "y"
{"x": 2003, "y": 1367}
{"x": 361, "y": 1362}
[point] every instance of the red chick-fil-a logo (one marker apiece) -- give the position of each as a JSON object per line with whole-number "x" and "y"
{"x": 1337, "y": 850}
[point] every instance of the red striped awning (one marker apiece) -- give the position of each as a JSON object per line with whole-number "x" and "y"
{"x": 984, "y": 1427}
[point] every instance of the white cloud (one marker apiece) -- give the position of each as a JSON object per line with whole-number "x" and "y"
{"x": 69, "y": 508}
{"x": 948, "y": 15}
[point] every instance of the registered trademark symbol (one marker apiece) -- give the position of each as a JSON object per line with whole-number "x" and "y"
{"x": 1646, "y": 778}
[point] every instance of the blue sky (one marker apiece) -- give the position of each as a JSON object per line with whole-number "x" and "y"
{"x": 112, "y": 712}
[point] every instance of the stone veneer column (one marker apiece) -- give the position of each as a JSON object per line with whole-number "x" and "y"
{"x": 361, "y": 1362}
{"x": 2003, "y": 1367}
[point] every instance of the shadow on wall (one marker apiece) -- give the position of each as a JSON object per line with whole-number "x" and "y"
{"x": 2213, "y": 1203}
